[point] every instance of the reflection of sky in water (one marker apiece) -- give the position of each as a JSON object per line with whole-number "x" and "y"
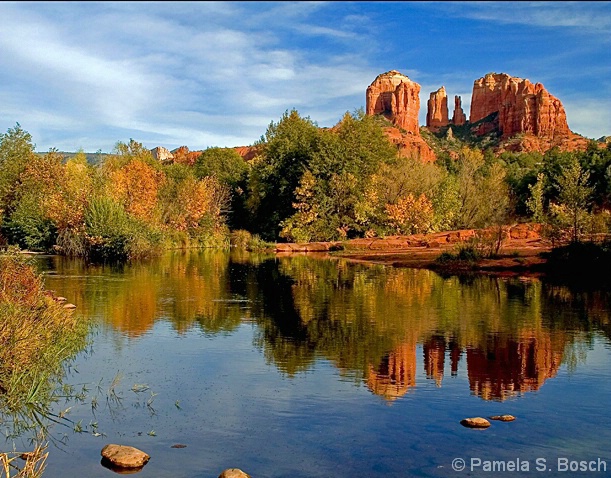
{"x": 239, "y": 409}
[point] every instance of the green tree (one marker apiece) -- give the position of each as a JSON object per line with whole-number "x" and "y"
{"x": 574, "y": 194}
{"x": 339, "y": 198}
{"x": 535, "y": 202}
{"x": 16, "y": 150}
{"x": 223, "y": 163}
{"x": 286, "y": 152}
{"x": 482, "y": 191}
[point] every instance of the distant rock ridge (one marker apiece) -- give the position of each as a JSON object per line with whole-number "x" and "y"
{"x": 395, "y": 96}
{"x": 524, "y": 115}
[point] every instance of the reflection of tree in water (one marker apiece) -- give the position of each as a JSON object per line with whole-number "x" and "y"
{"x": 368, "y": 321}
{"x": 186, "y": 289}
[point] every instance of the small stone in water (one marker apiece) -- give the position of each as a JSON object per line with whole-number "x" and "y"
{"x": 476, "y": 422}
{"x": 234, "y": 473}
{"x": 503, "y": 418}
{"x": 124, "y": 456}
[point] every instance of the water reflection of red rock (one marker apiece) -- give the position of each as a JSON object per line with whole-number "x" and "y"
{"x": 395, "y": 374}
{"x": 503, "y": 367}
{"x": 508, "y": 366}
{"x": 434, "y": 358}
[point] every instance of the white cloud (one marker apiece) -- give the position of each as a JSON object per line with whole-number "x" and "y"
{"x": 209, "y": 73}
{"x": 589, "y": 17}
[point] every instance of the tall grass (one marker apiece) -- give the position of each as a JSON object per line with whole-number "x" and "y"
{"x": 37, "y": 336}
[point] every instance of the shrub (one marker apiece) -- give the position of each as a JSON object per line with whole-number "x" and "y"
{"x": 36, "y": 336}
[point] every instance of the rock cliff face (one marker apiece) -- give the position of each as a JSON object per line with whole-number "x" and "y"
{"x": 396, "y": 97}
{"x": 182, "y": 155}
{"x": 162, "y": 154}
{"x": 523, "y": 107}
{"x": 410, "y": 145}
{"x": 459, "y": 118}
{"x": 247, "y": 152}
{"x": 437, "y": 110}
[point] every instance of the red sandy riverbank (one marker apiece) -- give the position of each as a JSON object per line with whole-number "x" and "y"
{"x": 520, "y": 251}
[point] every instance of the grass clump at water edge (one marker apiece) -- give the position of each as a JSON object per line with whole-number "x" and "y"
{"x": 37, "y": 336}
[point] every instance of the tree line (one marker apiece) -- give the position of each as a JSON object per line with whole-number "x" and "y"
{"x": 306, "y": 183}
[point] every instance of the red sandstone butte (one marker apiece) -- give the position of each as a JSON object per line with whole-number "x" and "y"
{"x": 459, "y": 118}
{"x": 523, "y": 107}
{"x": 184, "y": 156}
{"x": 396, "y": 97}
{"x": 437, "y": 110}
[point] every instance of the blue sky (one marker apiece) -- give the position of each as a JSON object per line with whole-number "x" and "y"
{"x": 88, "y": 74}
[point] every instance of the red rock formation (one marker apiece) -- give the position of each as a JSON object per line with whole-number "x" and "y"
{"x": 247, "y": 152}
{"x": 182, "y": 155}
{"x": 523, "y": 107}
{"x": 458, "y": 118}
{"x": 410, "y": 145}
{"x": 437, "y": 110}
{"x": 396, "y": 97}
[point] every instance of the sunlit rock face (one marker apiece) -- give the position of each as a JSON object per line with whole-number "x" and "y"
{"x": 247, "y": 152}
{"x": 162, "y": 154}
{"x": 397, "y": 98}
{"x": 410, "y": 145}
{"x": 523, "y": 107}
{"x": 437, "y": 110}
{"x": 458, "y": 118}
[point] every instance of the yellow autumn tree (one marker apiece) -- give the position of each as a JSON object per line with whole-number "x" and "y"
{"x": 410, "y": 215}
{"x": 136, "y": 185}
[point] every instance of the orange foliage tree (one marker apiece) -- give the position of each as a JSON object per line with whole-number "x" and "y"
{"x": 410, "y": 215}
{"x": 136, "y": 185}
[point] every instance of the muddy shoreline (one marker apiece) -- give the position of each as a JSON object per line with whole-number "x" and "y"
{"x": 522, "y": 251}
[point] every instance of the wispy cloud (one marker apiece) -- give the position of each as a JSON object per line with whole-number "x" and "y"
{"x": 216, "y": 73}
{"x": 589, "y": 17}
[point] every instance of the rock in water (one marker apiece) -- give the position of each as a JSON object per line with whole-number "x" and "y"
{"x": 503, "y": 418}
{"x": 477, "y": 422}
{"x": 123, "y": 456}
{"x": 234, "y": 473}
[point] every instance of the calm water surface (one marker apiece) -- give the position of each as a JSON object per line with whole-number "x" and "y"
{"x": 303, "y": 367}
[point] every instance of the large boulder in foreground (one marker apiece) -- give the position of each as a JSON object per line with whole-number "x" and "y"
{"x": 122, "y": 456}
